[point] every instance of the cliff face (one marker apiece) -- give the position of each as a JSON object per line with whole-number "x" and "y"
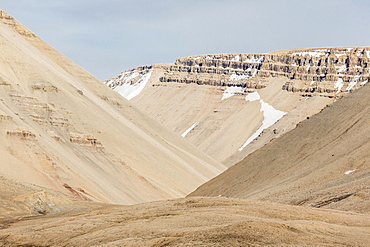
{"x": 210, "y": 94}
{"x": 325, "y": 71}
{"x": 329, "y": 71}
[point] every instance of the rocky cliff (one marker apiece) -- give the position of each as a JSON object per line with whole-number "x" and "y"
{"x": 326, "y": 71}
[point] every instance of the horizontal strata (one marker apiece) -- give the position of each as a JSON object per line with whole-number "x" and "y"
{"x": 327, "y": 71}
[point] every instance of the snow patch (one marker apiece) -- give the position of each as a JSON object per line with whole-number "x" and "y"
{"x": 231, "y": 91}
{"x": 359, "y": 52}
{"x": 341, "y": 68}
{"x": 270, "y": 116}
{"x": 254, "y": 59}
{"x": 349, "y": 172}
{"x": 236, "y": 58}
{"x": 190, "y": 129}
{"x": 235, "y": 77}
{"x": 317, "y": 53}
{"x": 339, "y": 84}
{"x": 128, "y": 90}
{"x": 353, "y": 82}
{"x": 367, "y": 54}
{"x": 252, "y": 97}
{"x": 254, "y": 73}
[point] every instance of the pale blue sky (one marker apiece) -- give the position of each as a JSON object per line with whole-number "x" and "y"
{"x": 106, "y": 37}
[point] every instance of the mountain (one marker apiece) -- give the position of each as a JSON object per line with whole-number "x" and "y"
{"x": 323, "y": 162}
{"x": 62, "y": 129}
{"x": 229, "y": 105}
{"x": 72, "y": 149}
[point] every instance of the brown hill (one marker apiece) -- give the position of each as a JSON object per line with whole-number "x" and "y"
{"x": 323, "y": 162}
{"x": 229, "y": 105}
{"x": 35, "y": 216}
{"x": 62, "y": 129}
{"x": 192, "y": 222}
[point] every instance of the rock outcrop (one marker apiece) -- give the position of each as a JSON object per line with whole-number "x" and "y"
{"x": 13, "y": 23}
{"x": 326, "y": 71}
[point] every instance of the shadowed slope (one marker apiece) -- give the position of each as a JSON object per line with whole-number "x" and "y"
{"x": 324, "y": 162}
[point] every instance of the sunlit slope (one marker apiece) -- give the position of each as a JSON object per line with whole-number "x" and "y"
{"x": 61, "y": 128}
{"x": 221, "y": 127}
{"x": 324, "y": 162}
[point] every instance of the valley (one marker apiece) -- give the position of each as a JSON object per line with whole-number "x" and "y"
{"x": 211, "y": 150}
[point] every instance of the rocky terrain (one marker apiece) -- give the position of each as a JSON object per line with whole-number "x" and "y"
{"x": 205, "y": 98}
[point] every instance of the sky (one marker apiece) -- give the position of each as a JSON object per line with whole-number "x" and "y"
{"x": 106, "y": 37}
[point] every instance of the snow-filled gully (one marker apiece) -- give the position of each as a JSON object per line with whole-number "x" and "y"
{"x": 270, "y": 115}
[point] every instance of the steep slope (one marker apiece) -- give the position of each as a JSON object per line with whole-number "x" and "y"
{"x": 324, "y": 162}
{"x": 192, "y": 222}
{"x": 62, "y": 129}
{"x": 229, "y": 105}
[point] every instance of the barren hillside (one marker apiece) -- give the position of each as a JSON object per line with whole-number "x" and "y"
{"x": 324, "y": 162}
{"x": 192, "y": 222}
{"x": 61, "y": 128}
